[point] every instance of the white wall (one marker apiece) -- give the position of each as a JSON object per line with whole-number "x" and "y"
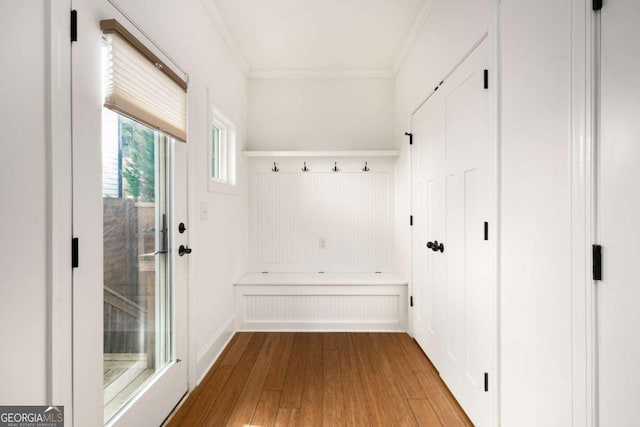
{"x": 23, "y": 203}
{"x": 535, "y": 207}
{"x": 536, "y": 255}
{"x": 321, "y": 114}
{"x": 219, "y": 242}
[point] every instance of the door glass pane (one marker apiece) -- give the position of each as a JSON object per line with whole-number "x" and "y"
{"x": 137, "y": 309}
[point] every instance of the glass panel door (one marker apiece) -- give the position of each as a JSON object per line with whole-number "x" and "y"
{"x": 136, "y": 279}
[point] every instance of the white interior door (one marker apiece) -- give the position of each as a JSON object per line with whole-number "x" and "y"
{"x": 618, "y": 213}
{"x": 453, "y": 251}
{"x": 129, "y": 289}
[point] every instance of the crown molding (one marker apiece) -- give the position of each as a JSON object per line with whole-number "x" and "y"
{"x": 218, "y": 22}
{"x": 322, "y": 74}
{"x": 418, "y": 24}
{"x": 382, "y": 73}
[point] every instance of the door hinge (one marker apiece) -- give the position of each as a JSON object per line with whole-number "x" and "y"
{"x": 596, "y": 5}
{"x": 411, "y": 220}
{"x": 486, "y": 381}
{"x": 74, "y": 25}
{"x": 74, "y": 253}
{"x": 596, "y": 251}
{"x": 411, "y": 301}
{"x": 486, "y": 79}
{"x": 486, "y": 230}
{"x": 410, "y": 135}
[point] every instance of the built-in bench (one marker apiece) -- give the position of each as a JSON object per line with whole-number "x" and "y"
{"x": 321, "y": 302}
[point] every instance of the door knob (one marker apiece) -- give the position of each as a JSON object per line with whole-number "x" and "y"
{"x": 182, "y": 250}
{"x": 435, "y": 246}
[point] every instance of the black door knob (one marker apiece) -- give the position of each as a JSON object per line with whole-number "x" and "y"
{"x": 182, "y": 228}
{"x": 182, "y": 250}
{"x": 435, "y": 246}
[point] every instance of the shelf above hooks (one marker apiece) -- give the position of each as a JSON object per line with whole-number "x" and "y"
{"x": 333, "y": 154}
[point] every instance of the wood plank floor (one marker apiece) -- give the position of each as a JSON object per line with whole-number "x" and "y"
{"x": 321, "y": 379}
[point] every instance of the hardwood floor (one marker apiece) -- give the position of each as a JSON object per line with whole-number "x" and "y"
{"x": 321, "y": 379}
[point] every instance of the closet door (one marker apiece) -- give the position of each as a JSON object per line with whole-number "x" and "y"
{"x": 454, "y": 250}
{"x": 618, "y": 215}
{"x": 427, "y": 127}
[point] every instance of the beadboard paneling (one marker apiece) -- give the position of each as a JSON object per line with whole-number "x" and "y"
{"x": 322, "y": 307}
{"x": 292, "y": 211}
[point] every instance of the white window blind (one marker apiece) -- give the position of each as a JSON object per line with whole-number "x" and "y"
{"x": 139, "y": 85}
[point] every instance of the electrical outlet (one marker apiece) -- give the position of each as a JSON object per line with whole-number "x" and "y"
{"x": 322, "y": 243}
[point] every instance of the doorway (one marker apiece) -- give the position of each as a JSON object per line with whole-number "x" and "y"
{"x": 129, "y": 197}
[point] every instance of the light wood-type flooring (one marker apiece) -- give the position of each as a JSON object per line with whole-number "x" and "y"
{"x": 320, "y": 379}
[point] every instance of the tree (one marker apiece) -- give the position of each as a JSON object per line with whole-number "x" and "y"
{"x": 138, "y": 158}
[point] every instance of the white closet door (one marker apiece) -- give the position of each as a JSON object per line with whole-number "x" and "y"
{"x": 428, "y": 134}
{"x": 618, "y": 294}
{"x": 453, "y": 195}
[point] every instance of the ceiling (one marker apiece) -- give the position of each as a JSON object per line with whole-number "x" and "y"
{"x": 348, "y": 37}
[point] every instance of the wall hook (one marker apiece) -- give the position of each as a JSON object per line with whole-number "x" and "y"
{"x": 365, "y": 168}
{"x": 335, "y": 167}
{"x": 305, "y": 168}
{"x": 275, "y": 167}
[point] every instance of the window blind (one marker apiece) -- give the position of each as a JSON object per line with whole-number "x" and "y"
{"x": 139, "y": 85}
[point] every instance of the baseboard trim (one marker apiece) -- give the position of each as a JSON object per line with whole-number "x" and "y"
{"x": 210, "y": 353}
{"x": 303, "y": 328}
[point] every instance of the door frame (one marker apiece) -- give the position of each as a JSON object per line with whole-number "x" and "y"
{"x": 490, "y": 33}
{"x": 59, "y": 215}
{"x": 583, "y": 147}
{"x": 59, "y": 157}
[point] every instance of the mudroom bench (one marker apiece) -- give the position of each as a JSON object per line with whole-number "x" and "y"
{"x": 321, "y": 302}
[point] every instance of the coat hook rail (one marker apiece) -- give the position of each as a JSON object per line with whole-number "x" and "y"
{"x": 275, "y": 167}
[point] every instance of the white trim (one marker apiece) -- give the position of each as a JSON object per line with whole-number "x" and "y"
{"x": 320, "y": 279}
{"x": 219, "y": 24}
{"x": 365, "y": 73}
{"x": 212, "y": 350}
{"x": 59, "y": 202}
{"x": 228, "y": 150}
{"x": 416, "y": 28}
{"x": 495, "y": 95}
{"x": 192, "y": 212}
{"x": 369, "y": 153}
{"x": 582, "y": 168}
